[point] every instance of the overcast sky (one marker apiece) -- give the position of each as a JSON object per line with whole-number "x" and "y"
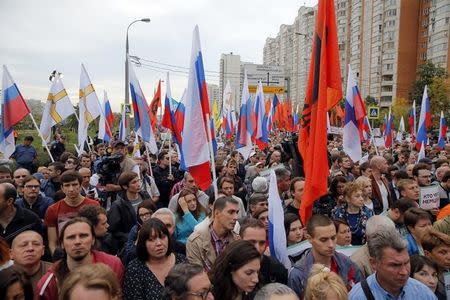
{"x": 39, "y": 36}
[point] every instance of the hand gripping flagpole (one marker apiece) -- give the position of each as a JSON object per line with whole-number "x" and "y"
{"x": 42, "y": 137}
{"x": 211, "y": 155}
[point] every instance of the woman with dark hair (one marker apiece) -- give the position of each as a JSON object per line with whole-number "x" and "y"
{"x": 326, "y": 203}
{"x": 144, "y": 212}
{"x": 145, "y": 275}
{"x": 235, "y": 273}
{"x": 14, "y": 285}
{"x": 294, "y": 229}
{"x": 123, "y": 213}
{"x": 343, "y": 233}
{"x": 189, "y": 213}
{"x": 425, "y": 270}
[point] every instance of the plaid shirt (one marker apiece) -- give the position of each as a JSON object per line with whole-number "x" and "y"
{"x": 219, "y": 244}
{"x": 177, "y": 188}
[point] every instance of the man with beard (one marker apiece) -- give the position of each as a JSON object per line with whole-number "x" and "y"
{"x": 77, "y": 239}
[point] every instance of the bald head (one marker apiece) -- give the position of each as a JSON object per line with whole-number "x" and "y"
{"x": 28, "y": 234}
{"x": 379, "y": 164}
{"x": 86, "y": 174}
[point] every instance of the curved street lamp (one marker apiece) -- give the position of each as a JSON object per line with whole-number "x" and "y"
{"x": 127, "y": 74}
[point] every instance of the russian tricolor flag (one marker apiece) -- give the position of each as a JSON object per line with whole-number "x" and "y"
{"x": 13, "y": 110}
{"x": 442, "y": 131}
{"x": 277, "y": 233}
{"x": 142, "y": 123}
{"x": 273, "y": 107}
{"x": 355, "y": 113}
{"x": 243, "y": 135}
{"x": 424, "y": 120}
{"x": 388, "y": 132}
{"x": 261, "y": 134}
{"x": 195, "y": 139}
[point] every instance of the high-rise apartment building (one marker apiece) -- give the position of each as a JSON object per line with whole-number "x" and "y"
{"x": 384, "y": 41}
{"x": 230, "y": 69}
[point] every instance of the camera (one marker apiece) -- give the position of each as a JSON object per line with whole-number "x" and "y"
{"x": 109, "y": 169}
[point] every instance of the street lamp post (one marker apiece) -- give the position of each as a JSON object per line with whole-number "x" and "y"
{"x": 127, "y": 70}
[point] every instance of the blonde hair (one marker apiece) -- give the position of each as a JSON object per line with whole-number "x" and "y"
{"x": 95, "y": 276}
{"x": 350, "y": 188}
{"x": 321, "y": 281}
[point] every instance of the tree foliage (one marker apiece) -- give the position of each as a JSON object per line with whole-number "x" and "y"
{"x": 400, "y": 107}
{"x": 426, "y": 73}
{"x": 438, "y": 91}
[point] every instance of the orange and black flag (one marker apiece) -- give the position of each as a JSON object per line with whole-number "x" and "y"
{"x": 154, "y": 105}
{"x": 323, "y": 92}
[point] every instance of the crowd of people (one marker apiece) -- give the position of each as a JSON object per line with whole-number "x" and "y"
{"x": 114, "y": 224}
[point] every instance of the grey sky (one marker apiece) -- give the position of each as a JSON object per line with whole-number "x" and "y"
{"x": 40, "y": 36}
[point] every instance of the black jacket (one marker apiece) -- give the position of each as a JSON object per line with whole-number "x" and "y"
{"x": 121, "y": 218}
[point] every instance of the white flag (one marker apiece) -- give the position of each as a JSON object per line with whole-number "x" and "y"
{"x": 57, "y": 108}
{"x": 102, "y": 122}
{"x": 401, "y": 130}
{"x": 89, "y": 106}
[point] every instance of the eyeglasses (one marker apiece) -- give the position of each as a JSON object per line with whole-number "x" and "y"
{"x": 147, "y": 214}
{"x": 20, "y": 176}
{"x": 32, "y": 186}
{"x": 202, "y": 294}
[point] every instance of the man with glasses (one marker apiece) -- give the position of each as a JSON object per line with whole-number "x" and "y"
{"x": 164, "y": 179}
{"x": 32, "y": 199}
{"x": 186, "y": 281}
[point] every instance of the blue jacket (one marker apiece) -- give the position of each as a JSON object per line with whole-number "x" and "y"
{"x": 298, "y": 276}
{"x": 185, "y": 226}
{"x": 413, "y": 249}
{"x": 39, "y": 207}
{"x": 48, "y": 188}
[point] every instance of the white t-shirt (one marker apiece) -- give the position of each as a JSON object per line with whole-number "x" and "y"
{"x": 384, "y": 195}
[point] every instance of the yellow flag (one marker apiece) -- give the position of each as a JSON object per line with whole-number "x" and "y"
{"x": 216, "y": 115}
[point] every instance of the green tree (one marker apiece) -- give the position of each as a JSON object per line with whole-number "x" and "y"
{"x": 400, "y": 108}
{"x": 371, "y": 101}
{"x": 438, "y": 91}
{"x": 425, "y": 76}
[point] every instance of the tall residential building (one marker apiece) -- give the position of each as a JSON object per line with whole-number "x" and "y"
{"x": 438, "y": 31}
{"x": 230, "y": 69}
{"x": 213, "y": 93}
{"x": 384, "y": 41}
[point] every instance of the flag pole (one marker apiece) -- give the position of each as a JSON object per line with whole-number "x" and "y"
{"x": 372, "y": 138}
{"x": 42, "y": 137}
{"x": 87, "y": 142}
{"x": 211, "y": 155}
{"x": 148, "y": 159}
{"x": 103, "y": 113}
{"x": 170, "y": 156}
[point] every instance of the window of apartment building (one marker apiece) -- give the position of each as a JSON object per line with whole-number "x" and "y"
{"x": 379, "y": 28}
{"x": 341, "y": 13}
{"x": 447, "y": 20}
{"x": 389, "y": 67}
{"x": 389, "y": 35}
{"x": 388, "y": 45}
{"x": 426, "y": 11}
{"x": 423, "y": 56}
{"x": 391, "y": 12}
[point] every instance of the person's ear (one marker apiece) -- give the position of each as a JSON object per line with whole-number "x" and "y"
{"x": 373, "y": 263}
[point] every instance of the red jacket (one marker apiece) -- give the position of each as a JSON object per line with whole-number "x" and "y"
{"x": 47, "y": 286}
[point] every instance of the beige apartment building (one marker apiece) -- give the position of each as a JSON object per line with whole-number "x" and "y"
{"x": 384, "y": 41}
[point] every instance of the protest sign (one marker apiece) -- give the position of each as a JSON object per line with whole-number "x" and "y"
{"x": 429, "y": 197}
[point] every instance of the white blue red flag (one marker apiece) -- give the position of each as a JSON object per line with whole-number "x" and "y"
{"x": 366, "y": 131}
{"x": 355, "y": 113}
{"x": 142, "y": 122}
{"x": 195, "y": 139}
{"x": 389, "y": 131}
{"x": 227, "y": 118}
{"x": 123, "y": 126}
{"x": 412, "y": 122}
{"x": 106, "y": 120}
{"x": 273, "y": 109}
{"x": 424, "y": 120}
{"x": 13, "y": 110}
{"x": 261, "y": 134}
{"x": 442, "y": 132}
{"x": 243, "y": 135}
{"x": 277, "y": 232}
